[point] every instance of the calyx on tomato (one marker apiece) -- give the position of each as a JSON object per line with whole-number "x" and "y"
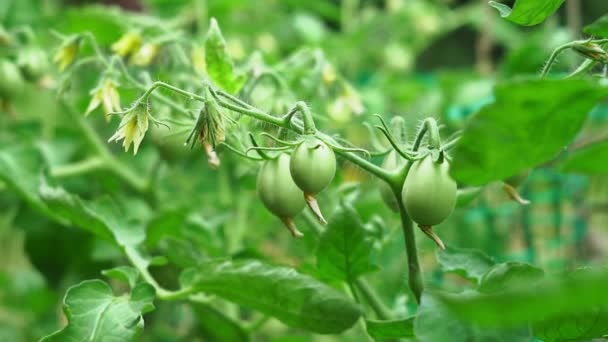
{"x": 279, "y": 193}
{"x": 312, "y": 167}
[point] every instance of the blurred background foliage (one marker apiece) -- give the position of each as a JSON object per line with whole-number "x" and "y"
{"x": 412, "y": 58}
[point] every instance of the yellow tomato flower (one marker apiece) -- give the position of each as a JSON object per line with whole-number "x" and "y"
{"x": 67, "y": 52}
{"x": 127, "y": 44}
{"x": 105, "y": 95}
{"x": 132, "y": 128}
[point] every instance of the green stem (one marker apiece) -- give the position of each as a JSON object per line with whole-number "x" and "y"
{"x": 139, "y": 262}
{"x": 78, "y": 168}
{"x": 372, "y": 298}
{"x": 414, "y": 272}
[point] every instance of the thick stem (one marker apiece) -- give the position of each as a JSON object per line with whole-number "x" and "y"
{"x": 414, "y": 272}
{"x": 372, "y": 298}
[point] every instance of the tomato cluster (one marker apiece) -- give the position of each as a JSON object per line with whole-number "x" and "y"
{"x": 285, "y": 184}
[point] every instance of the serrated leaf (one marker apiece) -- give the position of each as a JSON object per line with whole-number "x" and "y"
{"x": 216, "y": 326}
{"x": 434, "y": 322}
{"x": 508, "y": 275}
{"x": 469, "y": 263}
{"x": 598, "y": 28}
{"x": 393, "y": 329}
{"x": 345, "y": 247}
{"x": 591, "y": 159}
{"x": 547, "y": 299}
{"x": 94, "y": 313}
{"x": 219, "y": 64}
{"x": 102, "y": 217}
{"x": 527, "y": 12}
{"x": 127, "y": 274}
{"x": 518, "y": 131}
{"x": 295, "y": 299}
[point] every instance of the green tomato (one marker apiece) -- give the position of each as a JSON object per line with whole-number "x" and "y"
{"x": 312, "y": 166}
{"x": 11, "y": 82}
{"x": 392, "y": 161}
{"x": 429, "y": 193}
{"x": 277, "y": 190}
{"x": 33, "y": 63}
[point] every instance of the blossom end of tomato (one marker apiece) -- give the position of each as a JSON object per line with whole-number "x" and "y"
{"x": 428, "y": 230}
{"x": 514, "y": 194}
{"x": 291, "y": 226}
{"x": 314, "y": 206}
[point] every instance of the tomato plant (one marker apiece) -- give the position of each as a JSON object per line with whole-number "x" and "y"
{"x": 152, "y": 151}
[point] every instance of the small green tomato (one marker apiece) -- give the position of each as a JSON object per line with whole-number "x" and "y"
{"x": 11, "y": 82}
{"x": 33, "y": 63}
{"x": 279, "y": 193}
{"x": 392, "y": 161}
{"x": 429, "y": 194}
{"x": 313, "y": 167}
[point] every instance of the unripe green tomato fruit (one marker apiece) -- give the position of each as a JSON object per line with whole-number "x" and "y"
{"x": 392, "y": 161}
{"x": 312, "y": 166}
{"x": 429, "y": 193}
{"x": 11, "y": 82}
{"x": 277, "y": 190}
{"x": 33, "y": 63}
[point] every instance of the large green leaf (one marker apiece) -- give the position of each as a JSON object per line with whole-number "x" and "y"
{"x": 528, "y": 12}
{"x": 591, "y": 159}
{"x": 581, "y": 327}
{"x": 469, "y": 263}
{"x": 547, "y": 299}
{"x": 434, "y": 322}
{"x": 94, "y": 313}
{"x": 508, "y": 275}
{"x": 530, "y": 122}
{"x": 345, "y": 248}
{"x": 219, "y": 64}
{"x": 389, "y": 330}
{"x": 598, "y": 28}
{"x": 295, "y": 299}
{"x": 102, "y": 217}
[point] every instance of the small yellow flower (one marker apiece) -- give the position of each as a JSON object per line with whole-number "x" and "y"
{"x": 328, "y": 74}
{"x": 127, "y": 44}
{"x": 145, "y": 54}
{"x": 133, "y": 127}
{"x": 67, "y": 52}
{"x": 105, "y": 95}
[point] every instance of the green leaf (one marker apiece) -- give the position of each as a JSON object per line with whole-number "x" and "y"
{"x": 528, "y": 12}
{"x": 219, "y": 64}
{"x": 94, "y": 313}
{"x": 598, "y": 28}
{"x": 591, "y": 159}
{"x": 345, "y": 248}
{"x": 434, "y": 322}
{"x": 469, "y": 263}
{"x": 393, "y": 329}
{"x": 518, "y": 130}
{"x": 547, "y": 299}
{"x": 295, "y": 299}
{"x": 216, "y": 326}
{"x": 581, "y": 327}
{"x": 508, "y": 275}
{"x": 127, "y": 274}
{"x": 20, "y": 171}
{"x": 102, "y": 217}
